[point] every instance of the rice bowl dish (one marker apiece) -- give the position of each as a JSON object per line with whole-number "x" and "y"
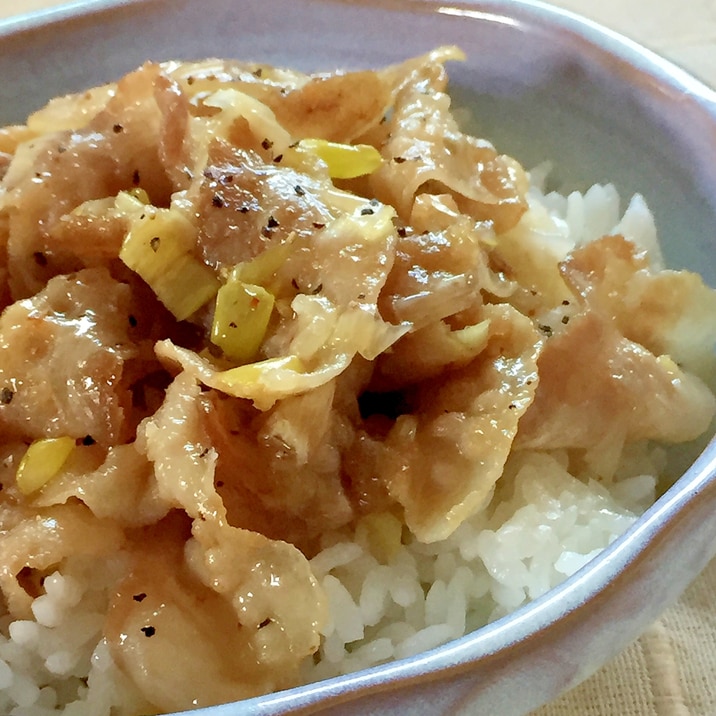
{"x": 406, "y": 531}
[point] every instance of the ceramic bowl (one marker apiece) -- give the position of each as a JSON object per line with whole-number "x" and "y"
{"x": 543, "y": 84}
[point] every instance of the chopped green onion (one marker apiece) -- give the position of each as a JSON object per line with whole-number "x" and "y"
{"x": 262, "y": 268}
{"x": 139, "y": 194}
{"x": 42, "y": 461}
{"x": 474, "y": 336}
{"x": 344, "y": 161}
{"x": 383, "y": 532}
{"x": 242, "y": 314}
{"x": 158, "y": 248}
{"x": 259, "y": 372}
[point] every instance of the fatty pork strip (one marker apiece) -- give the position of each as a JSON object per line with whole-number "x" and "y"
{"x": 234, "y": 611}
{"x": 118, "y": 145}
{"x": 616, "y": 372}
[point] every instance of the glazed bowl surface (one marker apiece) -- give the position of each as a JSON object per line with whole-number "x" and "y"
{"x": 541, "y": 84}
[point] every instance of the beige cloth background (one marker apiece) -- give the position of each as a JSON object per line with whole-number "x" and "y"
{"x": 671, "y": 669}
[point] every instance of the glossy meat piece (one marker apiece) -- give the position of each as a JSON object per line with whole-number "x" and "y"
{"x": 340, "y": 107}
{"x": 436, "y": 274}
{"x": 129, "y": 143}
{"x": 117, "y": 484}
{"x": 41, "y": 539}
{"x": 245, "y": 205}
{"x": 264, "y": 606}
{"x": 667, "y": 312}
{"x": 426, "y": 152}
{"x": 62, "y": 355}
{"x": 442, "y": 459}
{"x": 280, "y": 472}
{"x": 603, "y": 377}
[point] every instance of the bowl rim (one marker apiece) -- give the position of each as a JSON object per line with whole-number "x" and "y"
{"x": 629, "y": 550}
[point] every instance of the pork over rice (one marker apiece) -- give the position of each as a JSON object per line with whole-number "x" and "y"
{"x": 297, "y": 377}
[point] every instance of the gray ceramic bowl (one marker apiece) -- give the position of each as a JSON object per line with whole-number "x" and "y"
{"x": 543, "y": 84}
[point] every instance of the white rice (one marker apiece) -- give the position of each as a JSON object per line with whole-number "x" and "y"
{"x": 59, "y": 661}
{"x": 544, "y": 525}
{"x": 549, "y": 527}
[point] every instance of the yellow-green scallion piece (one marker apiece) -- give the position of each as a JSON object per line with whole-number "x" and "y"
{"x": 473, "y": 336}
{"x": 42, "y": 461}
{"x": 157, "y": 248}
{"x": 260, "y": 370}
{"x": 261, "y": 269}
{"x": 344, "y": 161}
{"x": 139, "y": 194}
{"x": 383, "y": 532}
{"x": 241, "y": 317}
